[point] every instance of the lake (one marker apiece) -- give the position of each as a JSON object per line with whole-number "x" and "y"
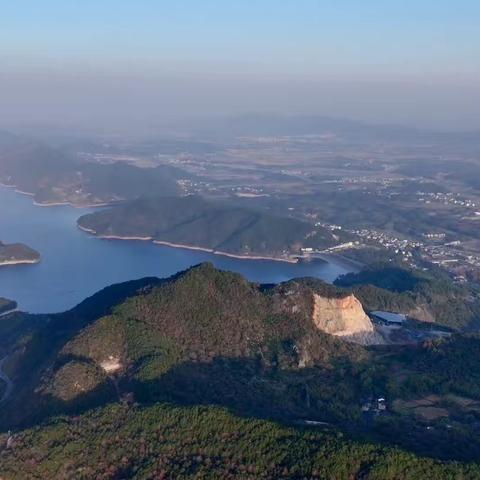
{"x": 75, "y": 265}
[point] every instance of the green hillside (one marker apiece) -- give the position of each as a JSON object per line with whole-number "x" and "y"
{"x": 197, "y": 222}
{"x": 423, "y": 295}
{"x": 162, "y": 441}
{"x": 136, "y": 379}
{"x": 169, "y": 339}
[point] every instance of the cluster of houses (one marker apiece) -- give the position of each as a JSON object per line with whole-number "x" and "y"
{"x": 375, "y": 406}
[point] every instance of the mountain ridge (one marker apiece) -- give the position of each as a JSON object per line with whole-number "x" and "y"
{"x": 194, "y": 222}
{"x": 211, "y": 338}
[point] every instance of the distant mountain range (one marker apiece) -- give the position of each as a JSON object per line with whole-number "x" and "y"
{"x": 256, "y": 124}
{"x": 53, "y": 176}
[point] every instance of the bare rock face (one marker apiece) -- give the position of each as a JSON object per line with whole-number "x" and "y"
{"x": 344, "y": 317}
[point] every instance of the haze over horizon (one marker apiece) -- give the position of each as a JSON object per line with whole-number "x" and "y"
{"x": 133, "y": 65}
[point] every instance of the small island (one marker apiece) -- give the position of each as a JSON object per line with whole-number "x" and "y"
{"x": 17, "y": 253}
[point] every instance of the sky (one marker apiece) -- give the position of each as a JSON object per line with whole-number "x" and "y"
{"x": 112, "y": 62}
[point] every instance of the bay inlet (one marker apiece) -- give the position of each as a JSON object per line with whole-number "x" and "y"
{"x": 74, "y": 264}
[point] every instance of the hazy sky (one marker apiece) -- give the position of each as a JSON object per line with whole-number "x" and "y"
{"x": 120, "y": 61}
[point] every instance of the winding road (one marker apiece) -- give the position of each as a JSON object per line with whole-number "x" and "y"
{"x": 6, "y": 379}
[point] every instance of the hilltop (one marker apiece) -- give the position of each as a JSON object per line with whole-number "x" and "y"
{"x": 202, "y": 323}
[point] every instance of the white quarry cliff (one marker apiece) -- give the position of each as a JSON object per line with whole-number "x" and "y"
{"x": 344, "y": 317}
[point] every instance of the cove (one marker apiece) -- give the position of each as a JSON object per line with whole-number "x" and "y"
{"x": 74, "y": 265}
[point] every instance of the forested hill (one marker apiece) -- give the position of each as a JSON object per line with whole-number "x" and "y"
{"x": 195, "y": 221}
{"x": 201, "y": 324}
{"x": 166, "y": 442}
{"x": 118, "y": 385}
{"x": 428, "y": 296}
{"x": 53, "y": 176}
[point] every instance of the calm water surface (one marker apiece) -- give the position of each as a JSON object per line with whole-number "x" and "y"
{"x": 75, "y": 265}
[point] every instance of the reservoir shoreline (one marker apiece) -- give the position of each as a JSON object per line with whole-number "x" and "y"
{"x": 58, "y": 204}
{"x": 18, "y": 262}
{"x": 187, "y": 247}
{"x": 74, "y": 265}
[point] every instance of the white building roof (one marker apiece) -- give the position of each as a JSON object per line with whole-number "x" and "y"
{"x": 389, "y": 316}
